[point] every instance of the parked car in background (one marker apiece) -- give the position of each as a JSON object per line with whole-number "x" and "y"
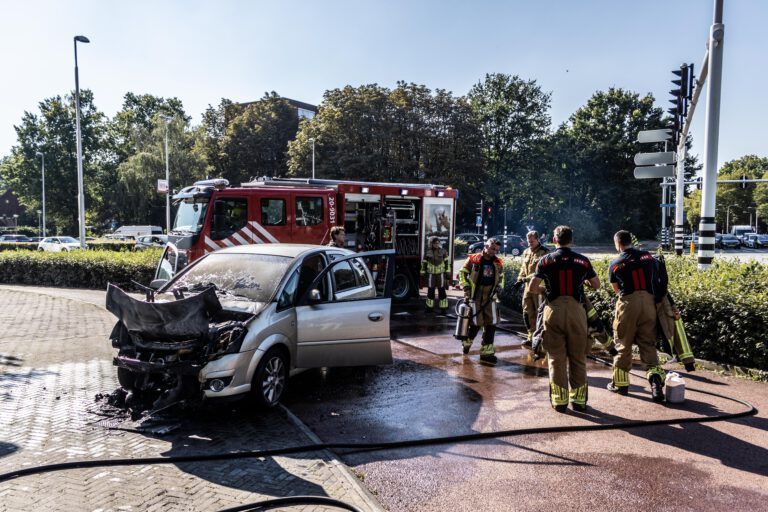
{"x": 726, "y": 241}
{"x": 243, "y": 319}
{"x": 15, "y": 238}
{"x": 515, "y": 245}
{"x": 144, "y": 242}
{"x": 687, "y": 239}
{"x": 469, "y": 238}
{"x": 755, "y": 241}
{"x": 58, "y": 244}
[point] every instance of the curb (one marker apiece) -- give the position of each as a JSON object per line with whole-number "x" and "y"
{"x": 368, "y": 498}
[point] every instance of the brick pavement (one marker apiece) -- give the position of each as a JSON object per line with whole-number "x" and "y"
{"x": 54, "y": 359}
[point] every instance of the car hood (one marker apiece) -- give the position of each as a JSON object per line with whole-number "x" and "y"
{"x": 184, "y": 318}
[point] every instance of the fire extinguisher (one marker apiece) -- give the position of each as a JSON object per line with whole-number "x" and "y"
{"x": 465, "y": 310}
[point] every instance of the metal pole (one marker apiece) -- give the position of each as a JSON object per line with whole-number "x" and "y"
{"x": 168, "y": 184}
{"x": 42, "y": 230}
{"x": 312, "y": 140}
{"x": 80, "y": 188}
{"x": 679, "y": 196}
{"x": 711, "y": 137}
{"x": 663, "y": 217}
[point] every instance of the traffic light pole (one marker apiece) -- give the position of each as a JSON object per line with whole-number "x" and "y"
{"x": 679, "y": 194}
{"x": 711, "y": 136}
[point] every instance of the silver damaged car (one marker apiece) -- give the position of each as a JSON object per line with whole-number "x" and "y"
{"x": 243, "y": 319}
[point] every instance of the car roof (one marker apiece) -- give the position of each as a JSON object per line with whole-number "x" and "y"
{"x": 289, "y": 250}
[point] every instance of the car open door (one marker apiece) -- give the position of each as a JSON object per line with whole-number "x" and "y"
{"x": 170, "y": 262}
{"x": 346, "y": 321}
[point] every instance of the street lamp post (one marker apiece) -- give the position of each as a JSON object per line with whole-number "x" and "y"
{"x": 727, "y": 216}
{"x": 80, "y": 188}
{"x": 39, "y": 224}
{"x": 42, "y": 155}
{"x": 312, "y": 140}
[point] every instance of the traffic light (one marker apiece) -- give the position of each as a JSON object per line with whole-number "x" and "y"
{"x": 681, "y": 95}
{"x": 490, "y": 210}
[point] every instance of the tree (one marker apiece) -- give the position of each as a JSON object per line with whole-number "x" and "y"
{"x": 601, "y": 183}
{"x": 52, "y": 132}
{"x": 135, "y": 193}
{"x": 405, "y": 135}
{"x": 512, "y": 115}
{"x": 245, "y": 141}
{"x": 753, "y": 196}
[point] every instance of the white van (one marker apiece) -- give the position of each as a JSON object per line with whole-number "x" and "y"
{"x": 740, "y": 232}
{"x": 133, "y": 232}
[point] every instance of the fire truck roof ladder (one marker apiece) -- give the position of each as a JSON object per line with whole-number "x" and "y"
{"x": 309, "y": 182}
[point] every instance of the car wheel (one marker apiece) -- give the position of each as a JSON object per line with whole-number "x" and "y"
{"x": 401, "y": 287}
{"x": 268, "y": 385}
{"x": 515, "y": 252}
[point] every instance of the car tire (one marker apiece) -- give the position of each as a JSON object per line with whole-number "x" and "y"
{"x": 515, "y": 252}
{"x": 270, "y": 378}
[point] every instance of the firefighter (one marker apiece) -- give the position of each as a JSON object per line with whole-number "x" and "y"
{"x": 337, "y": 237}
{"x": 632, "y": 275}
{"x": 436, "y": 269}
{"x": 482, "y": 279}
{"x": 565, "y": 339}
{"x": 531, "y": 301}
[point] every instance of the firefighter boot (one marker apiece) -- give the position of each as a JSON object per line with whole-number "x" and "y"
{"x": 487, "y": 354}
{"x": 657, "y": 387}
{"x": 528, "y": 343}
{"x": 558, "y": 397}
{"x": 429, "y": 305}
{"x": 443, "y": 305}
{"x": 620, "y": 382}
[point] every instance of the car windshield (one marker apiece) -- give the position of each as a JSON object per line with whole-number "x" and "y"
{"x": 68, "y": 240}
{"x": 252, "y": 276}
{"x": 190, "y": 217}
{"x": 729, "y": 237}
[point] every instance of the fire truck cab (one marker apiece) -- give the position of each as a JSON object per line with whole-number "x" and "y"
{"x": 212, "y": 215}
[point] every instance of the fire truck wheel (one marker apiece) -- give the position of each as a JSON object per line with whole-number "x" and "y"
{"x": 270, "y": 378}
{"x": 401, "y": 287}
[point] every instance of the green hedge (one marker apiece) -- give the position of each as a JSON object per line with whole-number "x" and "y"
{"x": 725, "y": 309}
{"x": 97, "y": 245}
{"x": 78, "y": 269}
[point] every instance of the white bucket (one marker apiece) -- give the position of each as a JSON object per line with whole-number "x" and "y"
{"x": 674, "y": 388}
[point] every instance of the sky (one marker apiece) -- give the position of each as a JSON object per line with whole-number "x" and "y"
{"x": 203, "y": 51}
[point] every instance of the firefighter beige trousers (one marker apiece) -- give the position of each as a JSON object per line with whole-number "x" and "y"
{"x": 635, "y": 322}
{"x": 565, "y": 341}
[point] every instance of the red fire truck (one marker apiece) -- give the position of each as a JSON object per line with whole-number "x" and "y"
{"x": 212, "y": 215}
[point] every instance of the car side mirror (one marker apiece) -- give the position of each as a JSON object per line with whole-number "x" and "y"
{"x": 314, "y": 296}
{"x": 156, "y": 284}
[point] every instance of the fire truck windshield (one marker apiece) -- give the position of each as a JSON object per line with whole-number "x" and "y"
{"x": 189, "y": 217}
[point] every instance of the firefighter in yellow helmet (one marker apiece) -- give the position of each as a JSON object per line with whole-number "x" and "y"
{"x": 436, "y": 269}
{"x": 531, "y": 300}
{"x": 482, "y": 279}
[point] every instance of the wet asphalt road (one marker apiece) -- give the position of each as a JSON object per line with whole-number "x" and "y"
{"x": 432, "y": 390}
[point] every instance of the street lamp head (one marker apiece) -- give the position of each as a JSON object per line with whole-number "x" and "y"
{"x": 82, "y": 39}
{"x": 39, "y": 153}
